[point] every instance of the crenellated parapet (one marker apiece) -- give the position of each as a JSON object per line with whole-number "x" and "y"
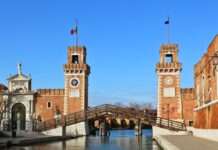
{"x": 76, "y": 68}
{"x": 188, "y": 93}
{"x": 169, "y": 47}
{"x": 168, "y": 67}
{"x": 213, "y": 46}
{"x": 202, "y": 64}
{"x": 50, "y": 92}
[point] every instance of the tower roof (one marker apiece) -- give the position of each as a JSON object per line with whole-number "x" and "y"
{"x": 3, "y": 87}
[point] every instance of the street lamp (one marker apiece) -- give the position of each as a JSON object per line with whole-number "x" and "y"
{"x": 57, "y": 113}
{"x": 168, "y": 111}
{"x": 215, "y": 60}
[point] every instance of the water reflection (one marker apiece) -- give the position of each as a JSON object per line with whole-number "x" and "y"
{"x": 118, "y": 140}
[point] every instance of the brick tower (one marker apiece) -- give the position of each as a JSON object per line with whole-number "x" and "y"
{"x": 169, "y": 94}
{"x": 76, "y": 73}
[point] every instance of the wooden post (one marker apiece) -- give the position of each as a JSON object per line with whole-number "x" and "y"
{"x": 160, "y": 122}
{"x": 63, "y": 131}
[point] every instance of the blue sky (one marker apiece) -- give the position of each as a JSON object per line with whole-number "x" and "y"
{"x": 122, "y": 40}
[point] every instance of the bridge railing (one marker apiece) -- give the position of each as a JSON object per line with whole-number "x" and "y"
{"x": 165, "y": 122}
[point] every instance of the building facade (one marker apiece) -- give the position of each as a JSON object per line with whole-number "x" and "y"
{"x": 21, "y": 106}
{"x": 206, "y": 88}
{"x": 173, "y": 102}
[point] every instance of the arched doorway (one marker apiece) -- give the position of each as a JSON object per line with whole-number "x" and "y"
{"x": 18, "y": 111}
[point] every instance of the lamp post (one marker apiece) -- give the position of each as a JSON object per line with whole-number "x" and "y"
{"x": 215, "y": 60}
{"x": 168, "y": 112}
{"x": 57, "y": 113}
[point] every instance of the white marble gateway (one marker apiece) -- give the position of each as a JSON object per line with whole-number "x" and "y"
{"x": 18, "y": 103}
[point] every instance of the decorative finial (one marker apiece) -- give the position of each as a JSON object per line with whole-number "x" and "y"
{"x": 19, "y": 69}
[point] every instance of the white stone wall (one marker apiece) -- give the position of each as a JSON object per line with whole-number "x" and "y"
{"x": 72, "y": 130}
{"x": 210, "y": 134}
{"x": 54, "y": 132}
{"x": 78, "y": 129}
{"x": 160, "y": 131}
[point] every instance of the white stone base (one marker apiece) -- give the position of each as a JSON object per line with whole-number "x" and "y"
{"x": 211, "y": 134}
{"x": 78, "y": 129}
{"x": 161, "y": 131}
{"x": 72, "y": 130}
{"x": 54, "y": 132}
{"x": 164, "y": 143}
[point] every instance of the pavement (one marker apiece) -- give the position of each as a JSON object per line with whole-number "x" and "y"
{"x": 185, "y": 142}
{"x": 29, "y": 139}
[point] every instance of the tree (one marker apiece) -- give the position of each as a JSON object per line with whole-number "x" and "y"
{"x": 119, "y": 104}
{"x": 141, "y": 106}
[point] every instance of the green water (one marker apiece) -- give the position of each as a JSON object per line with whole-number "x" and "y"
{"x": 118, "y": 140}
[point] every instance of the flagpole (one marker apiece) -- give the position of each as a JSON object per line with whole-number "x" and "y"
{"x": 76, "y": 32}
{"x": 168, "y": 29}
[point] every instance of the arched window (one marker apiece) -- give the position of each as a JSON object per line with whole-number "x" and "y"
{"x": 49, "y": 105}
{"x": 203, "y": 90}
{"x": 198, "y": 93}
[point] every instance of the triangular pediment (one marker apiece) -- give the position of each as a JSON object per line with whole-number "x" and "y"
{"x": 18, "y": 77}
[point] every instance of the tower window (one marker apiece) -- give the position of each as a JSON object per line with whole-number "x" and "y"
{"x": 75, "y": 59}
{"x": 169, "y": 58}
{"x": 49, "y": 105}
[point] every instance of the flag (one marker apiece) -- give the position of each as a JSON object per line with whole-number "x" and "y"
{"x": 73, "y": 31}
{"x": 167, "y": 22}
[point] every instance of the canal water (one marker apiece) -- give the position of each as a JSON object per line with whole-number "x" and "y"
{"x": 118, "y": 140}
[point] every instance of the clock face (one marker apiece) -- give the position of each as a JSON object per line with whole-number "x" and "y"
{"x": 169, "y": 80}
{"x": 74, "y": 82}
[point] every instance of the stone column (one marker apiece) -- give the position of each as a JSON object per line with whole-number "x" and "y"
{"x": 138, "y": 128}
{"x": 103, "y": 129}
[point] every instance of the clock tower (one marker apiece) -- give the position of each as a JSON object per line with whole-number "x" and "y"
{"x": 169, "y": 94}
{"x": 76, "y": 73}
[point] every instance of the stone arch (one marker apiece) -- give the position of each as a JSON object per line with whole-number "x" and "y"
{"x": 18, "y": 112}
{"x": 114, "y": 123}
{"x": 131, "y": 124}
{"x": 123, "y": 123}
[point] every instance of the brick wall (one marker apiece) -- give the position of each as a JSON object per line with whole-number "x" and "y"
{"x": 188, "y": 104}
{"x": 205, "y": 78}
{"x": 43, "y": 96}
